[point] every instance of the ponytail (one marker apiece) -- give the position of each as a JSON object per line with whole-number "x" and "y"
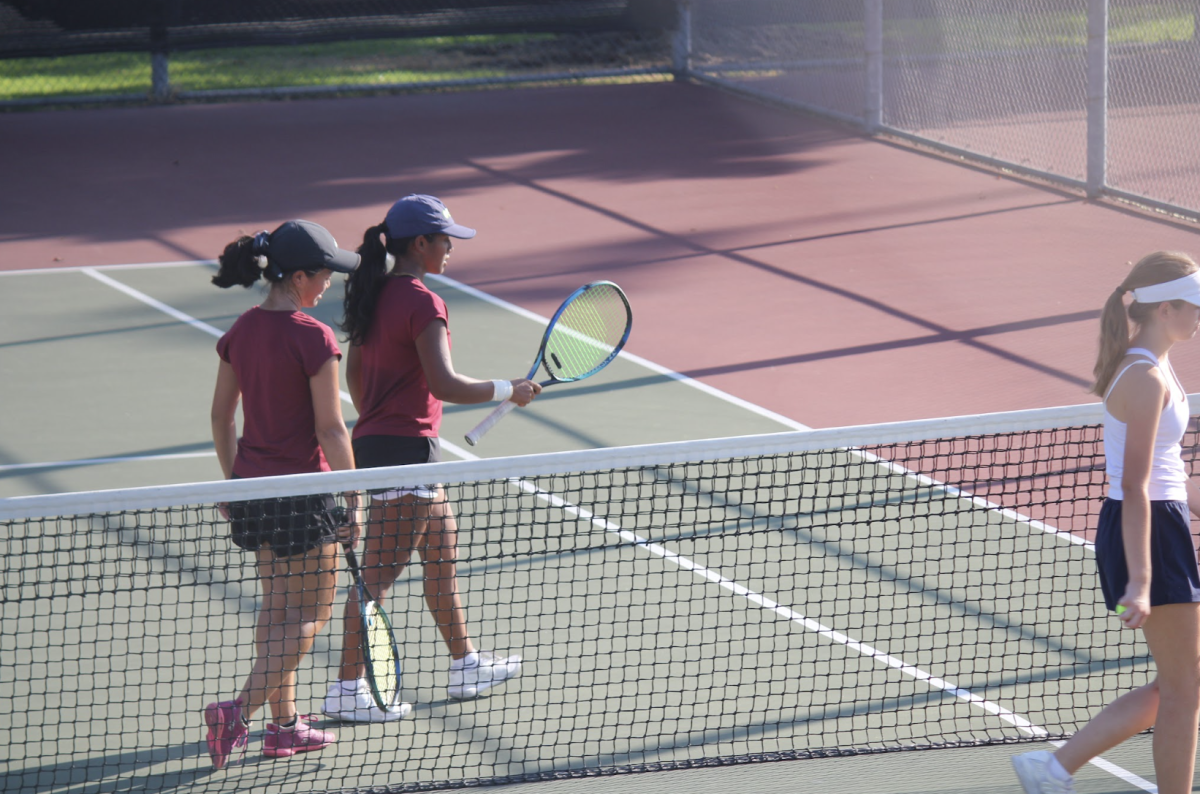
{"x": 1114, "y": 341}
{"x": 364, "y": 285}
{"x": 244, "y": 261}
{"x": 1156, "y": 268}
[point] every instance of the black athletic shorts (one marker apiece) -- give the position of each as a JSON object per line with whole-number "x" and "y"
{"x": 288, "y": 526}
{"x": 375, "y": 452}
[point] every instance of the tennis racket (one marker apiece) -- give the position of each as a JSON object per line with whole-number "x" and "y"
{"x": 378, "y": 643}
{"x": 588, "y": 330}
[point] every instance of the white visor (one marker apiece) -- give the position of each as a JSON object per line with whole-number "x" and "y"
{"x": 1181, "y": 289}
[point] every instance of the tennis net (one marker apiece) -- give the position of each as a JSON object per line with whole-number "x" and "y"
{"x": 788, "y": 596}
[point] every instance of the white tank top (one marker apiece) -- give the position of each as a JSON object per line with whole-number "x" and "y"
{"x": 1168, "y": 477}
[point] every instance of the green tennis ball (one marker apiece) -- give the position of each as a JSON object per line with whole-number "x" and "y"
{"x": 1120, "y": 609}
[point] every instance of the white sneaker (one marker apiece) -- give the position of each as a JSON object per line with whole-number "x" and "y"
{"x": 472, "y": 681}
{"x": 1036, "y": 778}
{"x": 357, "y": 705}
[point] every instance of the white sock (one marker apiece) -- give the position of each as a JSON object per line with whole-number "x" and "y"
{"x": 350, "y": 686}
{"x": 1056, "y": 769}
{"x": 470, "y": 660}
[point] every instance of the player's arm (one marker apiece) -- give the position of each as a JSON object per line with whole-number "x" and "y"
{"x": 1139, "y": 398}
{"x": 334, "y": 438}
{"x": 354, "y": 375}
{"x": 433, "y": 348}
{"x": 224, "y": 417}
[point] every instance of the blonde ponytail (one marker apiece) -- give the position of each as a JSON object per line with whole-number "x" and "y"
{"x": 1115, "y": 320}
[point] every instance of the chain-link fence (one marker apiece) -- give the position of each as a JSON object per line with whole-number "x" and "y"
{"x": 1097, "y": 94}
{"x": 1102, "y": 95}
{"x": 73, "y": 50}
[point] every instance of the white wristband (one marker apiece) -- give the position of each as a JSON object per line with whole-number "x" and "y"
{"x": 501, "y": 390}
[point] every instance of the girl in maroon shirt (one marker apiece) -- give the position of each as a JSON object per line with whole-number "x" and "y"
{"x": 399, "y": 371}
{"x": 282, "y": 365}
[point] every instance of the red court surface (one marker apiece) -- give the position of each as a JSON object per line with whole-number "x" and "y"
{"x": 828, "y": 277}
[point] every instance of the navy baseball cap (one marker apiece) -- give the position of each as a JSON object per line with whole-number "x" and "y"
{"x": 417, "y": 214}
{"x": 304, "y": 245}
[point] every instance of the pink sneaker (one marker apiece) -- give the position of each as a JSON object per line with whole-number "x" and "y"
{"x": 282, "y": 742}
{"x": 226, "y": 732}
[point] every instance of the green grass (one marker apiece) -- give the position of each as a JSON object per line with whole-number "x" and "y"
{"x": 374, "y": 62}
{"x": 108, "y": 73}
{"x": 1148, "y": 24}
{"x": 415, "y": 61}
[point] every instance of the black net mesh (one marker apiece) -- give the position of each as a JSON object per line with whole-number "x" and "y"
{"x": 719, "y": 609}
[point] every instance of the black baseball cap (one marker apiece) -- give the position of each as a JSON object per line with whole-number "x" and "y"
{"x": 304, "y": 245}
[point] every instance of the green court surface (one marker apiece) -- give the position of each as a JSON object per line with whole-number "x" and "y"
{"x": 856, "y": 617}
{"x": 94, "y": 374}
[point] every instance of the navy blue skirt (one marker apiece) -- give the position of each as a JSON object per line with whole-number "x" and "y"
{"x": 1174, "y": 576}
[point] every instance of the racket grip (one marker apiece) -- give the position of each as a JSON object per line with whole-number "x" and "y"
{"x": 489, "y": 422}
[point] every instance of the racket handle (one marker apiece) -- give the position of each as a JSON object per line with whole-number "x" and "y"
{"x": 489, "y": 422}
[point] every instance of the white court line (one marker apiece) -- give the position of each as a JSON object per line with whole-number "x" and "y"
{"x": 45, "y": 271}
{"x": 1021, "y": 723}
{"x": 650, "y": 365}
{"x": 146, "y": 299}
{"x": 1016, "y": 720}
{"x": 98, "y": 461}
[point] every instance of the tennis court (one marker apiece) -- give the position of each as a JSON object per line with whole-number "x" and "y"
{"x": 822, "y": 305}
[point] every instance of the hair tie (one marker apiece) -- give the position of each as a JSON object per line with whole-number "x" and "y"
{"x": 260, "y": 247}
{"x": 389, "y": 262}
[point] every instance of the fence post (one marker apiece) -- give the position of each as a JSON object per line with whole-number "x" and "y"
{"x": 873, "y": 56}
{"x": 160, "y": 78}
{"x": 681, "y": 55}
{"x": 162, "y": 15}
{"x": 1097, "y": 96}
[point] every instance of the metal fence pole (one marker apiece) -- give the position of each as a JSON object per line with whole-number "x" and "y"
{"x": 160, "y": 79}
{"x": 681, "y": 54}
{"x": 1097, "y": 96}
{"x": 873, "y": 53}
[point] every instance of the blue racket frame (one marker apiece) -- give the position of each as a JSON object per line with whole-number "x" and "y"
{"x": 539, "y": 361}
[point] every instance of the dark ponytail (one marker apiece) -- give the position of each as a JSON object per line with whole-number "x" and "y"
{"x": 366, "y": 282}
{"x": 244, "y": 261}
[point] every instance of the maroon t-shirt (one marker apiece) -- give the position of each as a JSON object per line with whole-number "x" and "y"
{"x": 273, "y": 354}
{"x": 396, "y": 400}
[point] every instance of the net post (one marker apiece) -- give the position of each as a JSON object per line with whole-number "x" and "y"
{"x": 873, "y": 57}
{"x": 1097, "y": 96}
{"x": 681, "y": 51}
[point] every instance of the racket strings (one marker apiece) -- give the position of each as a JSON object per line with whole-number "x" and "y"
{"x": 381, "y": 654}
{"x": 586, "y": 333}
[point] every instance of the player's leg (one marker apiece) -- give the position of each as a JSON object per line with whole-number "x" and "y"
{"x": 387, "y": 547}
{"x": 1170, "y": 704}
{"x": 299, "y": 605}
{"x": 471, "y": 673}
{"x": 439, "y": 553}
{"x": 1173, "y": 634}
{"x": 298, "y": 595}
{"x": 304, "y": 590}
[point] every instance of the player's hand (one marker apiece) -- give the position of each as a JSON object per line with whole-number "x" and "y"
{"x": 351, "y": 530}
{"x": 348, "y": 534}
{"x": 1136, "y": 603}
{"x": 524, "y": 391}
{"x": 223, "y": 509}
